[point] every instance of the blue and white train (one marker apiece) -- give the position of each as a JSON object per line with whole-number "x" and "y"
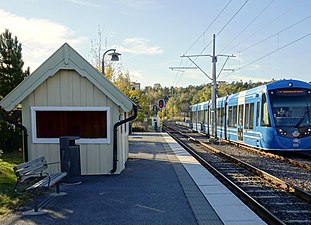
{"x": 275, "y": 116}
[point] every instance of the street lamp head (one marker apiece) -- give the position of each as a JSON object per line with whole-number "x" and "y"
{"x": 114, "y": 56}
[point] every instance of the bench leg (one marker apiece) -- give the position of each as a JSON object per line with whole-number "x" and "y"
{"x": 57, "y": 188}
{"x": 58, "y": 192}
{"x": 35, "y": 200}
{"x": 35, "y": 210}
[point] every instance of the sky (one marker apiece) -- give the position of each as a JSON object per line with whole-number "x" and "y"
{"x": 265, "y": 39}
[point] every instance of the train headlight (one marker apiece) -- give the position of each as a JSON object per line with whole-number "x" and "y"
{"x": 307, "y": 132}
{"x": 296, "y": 133}
{"x": 282, "y": 132}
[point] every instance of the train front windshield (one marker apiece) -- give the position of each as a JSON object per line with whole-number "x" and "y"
{"x": 291, "y": 111}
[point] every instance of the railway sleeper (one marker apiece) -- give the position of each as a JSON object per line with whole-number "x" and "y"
{"x": 259, "y": 191}
{"x": 295, "y": 211}
{"x": 297, "y": 221}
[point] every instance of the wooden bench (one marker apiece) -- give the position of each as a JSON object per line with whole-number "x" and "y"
{"x": 32, "y": 177}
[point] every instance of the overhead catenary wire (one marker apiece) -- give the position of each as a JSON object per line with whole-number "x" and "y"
{"x": 223, "y": 28}
{"x": 223, "y": 66}
{"x": 251, "y": 22}
{"x": 270, "y": 53}
{"x": 275, "y": 34}
{"x": 265, "y": 26}
{"x": 278, "y": 47}
{"x": 177, "y": 72}
{"x": 232, "y": 17}
{"x": 203, "y": 34}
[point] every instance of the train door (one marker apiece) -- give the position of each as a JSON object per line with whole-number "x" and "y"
{"x": 196, "y": 119}
{"x": 225, "y": 118}
{"x": 207, "y": 119}
{"x": 240, "y": 122}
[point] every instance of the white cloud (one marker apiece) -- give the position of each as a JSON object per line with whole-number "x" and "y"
{"x": 135, "y": 7}
{"x": 134, "y": 4}
{"x": 85, "y": 3}
{"x": 39, "y": 37}
{"x": 136, "y": 75}
{"x": 139, "y": 46}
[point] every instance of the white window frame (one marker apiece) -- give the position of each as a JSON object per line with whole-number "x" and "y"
{"x": 36, "y": 140}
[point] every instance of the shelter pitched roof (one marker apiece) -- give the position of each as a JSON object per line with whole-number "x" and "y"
{"x": 65, "y": 58}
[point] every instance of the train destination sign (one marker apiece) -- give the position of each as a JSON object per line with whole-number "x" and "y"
{"x": 291, "y": 92}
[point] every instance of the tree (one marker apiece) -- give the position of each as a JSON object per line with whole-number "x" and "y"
{"x": 98, "y": 47}
{"x": 11, "y": 74}
{"x": 11, "y": 63}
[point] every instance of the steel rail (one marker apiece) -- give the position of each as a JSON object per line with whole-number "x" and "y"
{"x": 264, "y": 213}
{"x": 303, "y": 195}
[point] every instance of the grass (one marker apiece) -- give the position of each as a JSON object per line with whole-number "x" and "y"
{"x": 9, "y": 200}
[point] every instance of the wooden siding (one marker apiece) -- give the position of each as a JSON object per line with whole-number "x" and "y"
{"x": 68, "y": 88}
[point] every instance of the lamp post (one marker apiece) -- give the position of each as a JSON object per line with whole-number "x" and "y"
{"x": 114, "y": 57}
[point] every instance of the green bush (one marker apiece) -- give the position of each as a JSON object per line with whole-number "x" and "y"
{"x": 9, "y": 200}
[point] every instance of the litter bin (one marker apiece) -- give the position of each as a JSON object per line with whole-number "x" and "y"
{"x": 70, "y": 159}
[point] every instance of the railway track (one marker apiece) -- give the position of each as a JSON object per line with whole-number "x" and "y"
{"x": 280, "y": 164}
{"x": 302, "y": 159}
{"x": 276, "y": 201}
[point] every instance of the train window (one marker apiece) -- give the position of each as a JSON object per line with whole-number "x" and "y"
{"x": 257, "y": 113}
{"x": 240, "y": 115}
{"x": 246, "y": 117}
{"x": 222, "y": 114}
{"x": 211, "y": 117}
{"x": 205, "y": 116}
{"x": 201, "y": 116}
{"x": 290, "y": 107}
{"x": 251, "y": 116}
{"x": 234, "y": 116}
{"x": 230, "y": 111}
{"x": 265, "y": 120}
{"x": 218, "y": 116}
{"x": 194, "y": 116}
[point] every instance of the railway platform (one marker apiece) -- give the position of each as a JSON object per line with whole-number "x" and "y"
{"x": 162, "y": 184}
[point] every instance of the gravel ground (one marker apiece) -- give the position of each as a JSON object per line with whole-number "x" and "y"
{"x": 294, "y": 175}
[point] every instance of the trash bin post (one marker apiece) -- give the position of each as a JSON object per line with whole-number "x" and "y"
{"x": 70, "y": 159}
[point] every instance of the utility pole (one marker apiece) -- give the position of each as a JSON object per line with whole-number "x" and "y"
{"x": 213, "y": 78}
{"x": 214, "y": 88}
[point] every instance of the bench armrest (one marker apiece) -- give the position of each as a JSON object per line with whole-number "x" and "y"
{"x": 52, "y": 163}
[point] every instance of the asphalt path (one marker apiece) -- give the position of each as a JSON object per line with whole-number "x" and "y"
{"x": 146, "y": 192}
